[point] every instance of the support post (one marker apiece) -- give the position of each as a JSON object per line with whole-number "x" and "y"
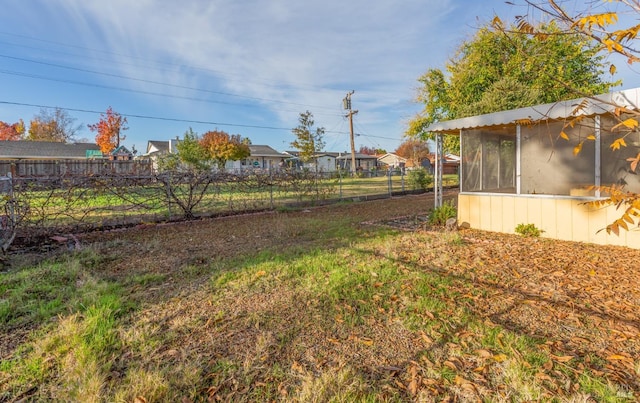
{"x": 437, "y": 185}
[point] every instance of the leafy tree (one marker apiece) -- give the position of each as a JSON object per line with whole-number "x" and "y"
{"x": 109, "y": 129}
{"x": 499, "y": 70}
{"x": 11, "y": 132}
{"x": 223, "y": 147}
{"x": 308, "y": 141}
{"x": 52, "y": 125}
{"x": 413, "y": 150}
{"x": 600, "y": 27}
{"x": 190, "y": 155}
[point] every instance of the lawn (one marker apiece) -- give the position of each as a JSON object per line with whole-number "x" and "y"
{"x": 348, "y": 302}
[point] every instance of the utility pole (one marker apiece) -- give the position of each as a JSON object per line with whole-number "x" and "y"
{"x": 346, "y": 102}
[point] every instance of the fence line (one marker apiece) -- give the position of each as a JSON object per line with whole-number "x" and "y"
{"x": 63, "y": 203}
{"x": 71, "y": 167}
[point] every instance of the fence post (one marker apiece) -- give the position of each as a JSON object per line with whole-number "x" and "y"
{"x": 389, "y": 185}
{"x": 271, "y": 188}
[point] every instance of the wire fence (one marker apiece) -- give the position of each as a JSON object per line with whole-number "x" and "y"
{"x": 43, "y": 206}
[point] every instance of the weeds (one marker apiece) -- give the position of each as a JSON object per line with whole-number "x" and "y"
{"x": 441, "y": 214}
{"x": 528, "y": 230}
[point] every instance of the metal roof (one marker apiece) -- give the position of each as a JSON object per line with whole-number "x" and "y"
{"x": 598, "y": 105}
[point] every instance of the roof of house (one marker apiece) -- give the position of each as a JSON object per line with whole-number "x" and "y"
{"x": 391, "y": 155}
{"x": 264, "y": 151}
{"x": 45, "y": 150}
{"x": 159, "y": 145}
{"x": 598, "y": 105}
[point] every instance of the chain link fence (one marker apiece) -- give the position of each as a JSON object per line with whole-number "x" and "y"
{"x": 37, "y": 208}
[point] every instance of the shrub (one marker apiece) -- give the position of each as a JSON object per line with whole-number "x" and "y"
{"x": 440, "y": 215}
{"x": 528, "y": 230}
{"x": 419, "y": 179}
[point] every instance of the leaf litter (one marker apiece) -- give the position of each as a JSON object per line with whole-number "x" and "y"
{"x": 579, "y": 303}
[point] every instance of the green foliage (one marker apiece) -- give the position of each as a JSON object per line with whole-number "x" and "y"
{"x": 499, "y": 70}
{"x": 528, "y": 230}
{"x": 440, "y": 215}
{"x": 191, "y": 153}
{"x": 307, "y": 141}
{"x": 419, "y": 179}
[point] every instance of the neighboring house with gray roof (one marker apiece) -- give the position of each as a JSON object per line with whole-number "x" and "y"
{"x": 260, "y": 157}
{"x": 47, "y": 150}
{"x": 52, "y": 159}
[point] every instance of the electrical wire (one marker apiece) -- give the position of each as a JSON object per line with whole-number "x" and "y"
{"x": 155, "y": 82}
{"x": 167, "y": 119}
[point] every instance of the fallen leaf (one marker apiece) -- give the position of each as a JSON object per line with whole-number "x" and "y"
{"x": 483, "y": 353}
{"x": 366, "y": 341}
{"x": 565, "y": 358}
{"x": 615, "y": 357}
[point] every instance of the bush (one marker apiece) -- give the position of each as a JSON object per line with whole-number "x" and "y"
{"x": 440, "y": 215}
{"x": 528, "y": 230}
{"x": 419, "y": 179}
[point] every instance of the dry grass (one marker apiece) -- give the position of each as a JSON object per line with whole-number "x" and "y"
{"x": 313, "y": 306}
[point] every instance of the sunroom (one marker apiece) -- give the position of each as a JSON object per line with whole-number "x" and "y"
{"x": 538, "y": 165}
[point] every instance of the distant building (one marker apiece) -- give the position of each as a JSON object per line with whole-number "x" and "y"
{"x": 47, "y": 150}
{"x": 391, "y": 160}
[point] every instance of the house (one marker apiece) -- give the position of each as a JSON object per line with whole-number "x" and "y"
{"x": 158, "y": 148}
{"x": 52, "y": 159}
{"x": 364, "y": 162}
{"x": 324, "y": 162}
{"x": 392, "y": 161}
{"x": 517, "y": 167}
{"x": 44, "y": 158}
{"x": 121, "y": 153}
{"x": 450, "y": 163}
{"x": 260, "y": 157}
{"x": 47, "y": 150}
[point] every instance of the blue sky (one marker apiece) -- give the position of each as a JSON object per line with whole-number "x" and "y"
{"x": 247, "y": 67}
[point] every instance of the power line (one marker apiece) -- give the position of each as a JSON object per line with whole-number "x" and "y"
{"x": 39, "y": 77}
{"x": 151, "y": 82}
{"x": 166, "y": 119}
{"x": 175, "y": 66}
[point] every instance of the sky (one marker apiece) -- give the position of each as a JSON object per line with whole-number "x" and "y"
{"x": 245, "y": 67}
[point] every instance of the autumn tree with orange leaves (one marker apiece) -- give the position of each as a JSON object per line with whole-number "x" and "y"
{"x": 109, "y": 129}
{"x": 52, "y": 125}
{"x": 11, "y": 132}
{"x": 223, "y": 147}
{"x": 413, "y": 150}
{"x": 599, "y": 22}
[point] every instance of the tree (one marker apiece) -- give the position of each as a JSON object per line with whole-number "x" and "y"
{"x": 190, "y": 155}
{"x": 109, "y": 129}
{"x": 599, "y": 26}
{"x": 413, "y": 150}
{"x": 499, "y": 70}
{"x": 308, "y": 141}
{"x": 223, "y": 147}
{"x": 371, "y": 151}
{"x": 52, "y": 125}
{"x": 11, "y": 132}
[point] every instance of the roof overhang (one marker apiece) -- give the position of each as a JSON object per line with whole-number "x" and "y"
{"x": 589, "y": 106}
